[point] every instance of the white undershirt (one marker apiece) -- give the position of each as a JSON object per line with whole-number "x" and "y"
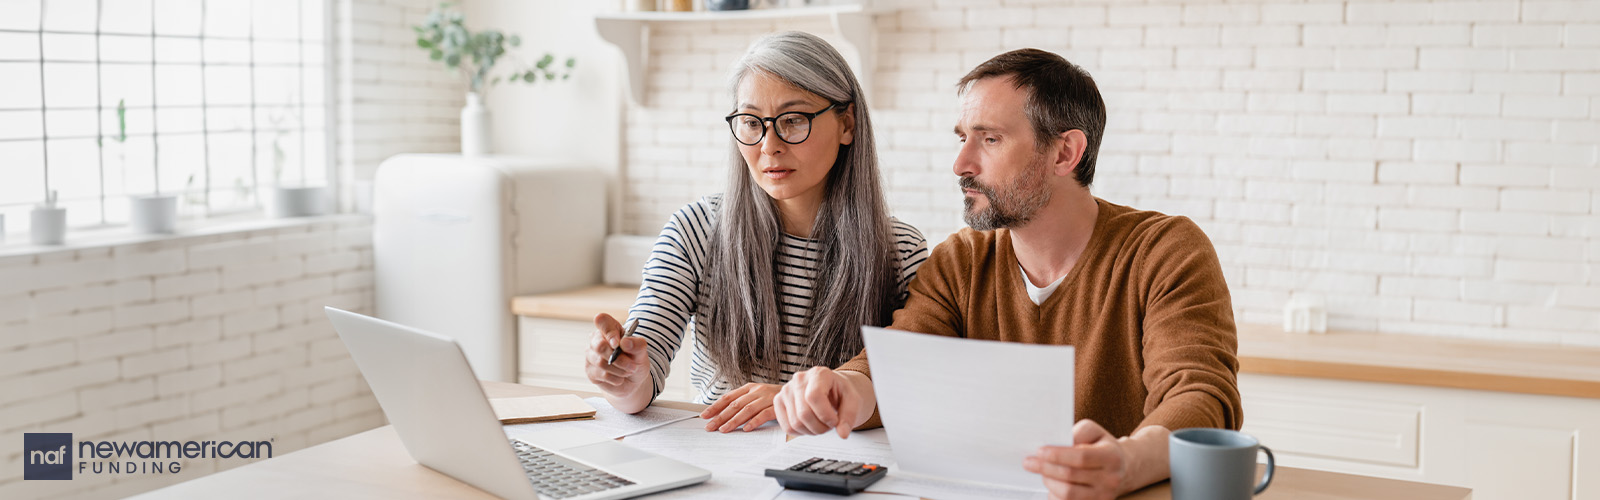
{"x": 1039, "y": 294}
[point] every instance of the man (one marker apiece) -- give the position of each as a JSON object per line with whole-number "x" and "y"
{"x": 1139, "y": 294}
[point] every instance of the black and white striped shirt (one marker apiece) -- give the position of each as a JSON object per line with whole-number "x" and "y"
{"x": 672, "y": 295}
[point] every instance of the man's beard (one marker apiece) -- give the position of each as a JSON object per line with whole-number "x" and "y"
{"x": 1011, "y": 207}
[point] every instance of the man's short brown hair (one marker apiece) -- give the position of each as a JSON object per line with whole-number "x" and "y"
{"x": 1061, "y": 97}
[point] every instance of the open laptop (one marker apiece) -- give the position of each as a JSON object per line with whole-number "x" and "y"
{"x": 428, "y": 391}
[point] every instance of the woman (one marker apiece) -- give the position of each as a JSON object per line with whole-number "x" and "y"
{"x": 779, "y": 273}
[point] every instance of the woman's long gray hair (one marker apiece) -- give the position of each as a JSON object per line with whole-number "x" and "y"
{"x": 857, "y": 272}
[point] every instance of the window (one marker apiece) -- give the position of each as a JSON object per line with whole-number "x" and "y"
{"x": 221, "y": 99}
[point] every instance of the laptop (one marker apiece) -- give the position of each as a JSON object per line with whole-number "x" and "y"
{"x": 428, "y": 391}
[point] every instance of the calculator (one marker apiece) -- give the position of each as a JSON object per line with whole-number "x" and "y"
{"x": 838, "y": 477}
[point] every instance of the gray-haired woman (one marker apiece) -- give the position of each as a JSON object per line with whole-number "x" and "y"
{"x": 779, "y": 273}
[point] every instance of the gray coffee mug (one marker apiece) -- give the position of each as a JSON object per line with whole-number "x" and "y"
{"x": 1215, "y": 464}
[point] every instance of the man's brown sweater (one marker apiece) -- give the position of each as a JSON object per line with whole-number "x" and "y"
{"x": 1146, "y": 307}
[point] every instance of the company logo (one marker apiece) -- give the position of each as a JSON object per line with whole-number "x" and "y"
{"x": 47, "y": 456}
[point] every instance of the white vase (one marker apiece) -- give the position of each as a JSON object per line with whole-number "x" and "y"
{"x": 153, "y": 214}
{"x": 297, "y": 202}
{"x": 49, "y": 225}
{"x": 474, "y": 127}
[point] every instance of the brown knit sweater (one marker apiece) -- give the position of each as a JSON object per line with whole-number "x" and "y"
{"x": 1145, "y": 305}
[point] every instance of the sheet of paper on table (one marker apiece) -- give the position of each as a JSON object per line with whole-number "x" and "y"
{"x": 609, "y": 421}
{"x": 689, "y": 442}
{"x": 976, "y": 423}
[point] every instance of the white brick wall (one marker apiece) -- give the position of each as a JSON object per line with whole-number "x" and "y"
{"x": 166, "y": 340}
{"x": 220, "y": 336}
{"x": 1429, "y": 166}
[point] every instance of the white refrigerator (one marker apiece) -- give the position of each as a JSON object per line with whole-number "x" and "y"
{"x": 456, "y": 238}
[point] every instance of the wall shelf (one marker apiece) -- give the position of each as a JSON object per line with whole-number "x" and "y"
{"x": 630, "y": 33}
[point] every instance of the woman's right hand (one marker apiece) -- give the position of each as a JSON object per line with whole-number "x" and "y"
{"x": 632, "y": 369}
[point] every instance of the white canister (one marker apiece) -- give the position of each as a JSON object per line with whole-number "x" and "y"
{"x": 1305, "y": 314}
{"x": 49, "y": 225}
{"x": 475, "y": 133}
{"x": 297, "y": 202}
{"x": 153, "y": 214}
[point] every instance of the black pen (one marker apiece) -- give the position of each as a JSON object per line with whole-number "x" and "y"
{"x": 632, "y": 325}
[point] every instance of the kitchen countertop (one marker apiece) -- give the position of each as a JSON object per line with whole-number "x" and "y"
{"x": 1526, "y": 368}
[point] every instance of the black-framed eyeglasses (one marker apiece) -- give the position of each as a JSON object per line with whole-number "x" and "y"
{"x": 793, "y": 127}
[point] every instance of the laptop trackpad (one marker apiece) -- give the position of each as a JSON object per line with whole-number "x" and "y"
{"x": 607, "y": 453}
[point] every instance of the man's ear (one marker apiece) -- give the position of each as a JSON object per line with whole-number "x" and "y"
{"x": 1073, "y": 143}
{"x": 847, "y": 119}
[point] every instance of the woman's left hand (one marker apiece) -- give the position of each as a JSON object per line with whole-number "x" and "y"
{"x": 748, "y": 406}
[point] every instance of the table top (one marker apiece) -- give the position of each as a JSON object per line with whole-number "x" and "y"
{"x": 374, "y": 464}
{"x": 1518, "y": 367}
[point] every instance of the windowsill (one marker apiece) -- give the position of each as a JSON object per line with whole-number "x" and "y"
{"x": 81, "y": 239}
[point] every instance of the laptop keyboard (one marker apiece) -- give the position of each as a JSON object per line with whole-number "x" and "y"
{"x": 557, "y": 477}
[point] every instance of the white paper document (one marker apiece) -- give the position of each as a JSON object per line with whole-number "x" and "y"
{"x": 611, "y": 422}
{"x": 725, "y": 486}
{"x": 970, "y": 410}
{"x": 867, "y": 447}
{"x": 689, "y": 442}
{"x": 904, "y": 483}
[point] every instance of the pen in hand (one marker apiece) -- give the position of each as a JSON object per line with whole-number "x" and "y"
{"x": 632, "y": 325}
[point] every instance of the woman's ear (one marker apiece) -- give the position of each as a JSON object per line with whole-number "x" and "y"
{"x": 847, "y": 118}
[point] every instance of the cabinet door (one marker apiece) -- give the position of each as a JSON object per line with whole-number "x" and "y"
{"x": 1529, "y": 447}
{"x": 551, "y": 353}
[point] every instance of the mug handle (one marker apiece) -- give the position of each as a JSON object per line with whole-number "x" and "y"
{"x": 1266, "y": 479}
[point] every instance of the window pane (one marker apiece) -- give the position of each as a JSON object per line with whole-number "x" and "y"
{"x": 227, "y": 51}
{"x": 118, "y": 48}
{"x": 139, "y": 121}
{"x": 75, "y": 171}
{"x": 125, "y": 16}
{"x": 277, "y": 85}
{"x": 181, "y": 156}
{"x": 228, "y": 118}
{"x": 19, "y": 46}
{"x": 70, "y": 124}
{"x": 137, "y": 165}
{"x": 23, "y": 124}
{"x": 313, "y": 54}
{"x": 315, "y": 85}
{"x": 69, "y": 85}
{"x": 316, "y": 145}
{"x": 179, "y": 120}
{"x": 177, "y": 50}
{"x": 276, "y": 20}
{"x": 177, "y": 85}
{"x": 314, "y": 116}
{"x": 312, "y": 13}
{"x": 229, "y": 166}
{"x": 68, "y": 47}
{"x": 277, "y": 52}
{"x": 125, "y": 82}
{"x": 69, "y": 15}
{"x": 20, "y": 87}
{"x": 227, "y": 18}
{"x": 228, "y": 85}
{"x": 24, "y": 173}
{"x": 278, "y": 158}
{"x": 20, "y": 14}
{"x": 177, "y": 17}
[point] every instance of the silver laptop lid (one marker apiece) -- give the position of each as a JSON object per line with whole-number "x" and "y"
{"x": 428, "y": 391}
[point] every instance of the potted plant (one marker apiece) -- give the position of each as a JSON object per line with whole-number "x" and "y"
{"x": 150, "y": 214}
{"x": 49, "y": 222}
{"x": 290, "y": 200}
{"x": 445, "y": 36}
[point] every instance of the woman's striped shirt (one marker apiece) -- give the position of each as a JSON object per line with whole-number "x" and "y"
{"x": 673, "y": 295}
